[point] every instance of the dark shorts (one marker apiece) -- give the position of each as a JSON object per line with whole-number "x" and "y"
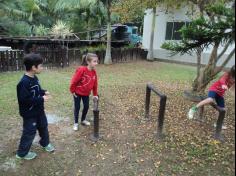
{"x": 219, "y": 99}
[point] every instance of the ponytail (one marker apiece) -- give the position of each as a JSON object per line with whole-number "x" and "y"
{"x": 87, "y": 58}
{"x": 84, "y": 60}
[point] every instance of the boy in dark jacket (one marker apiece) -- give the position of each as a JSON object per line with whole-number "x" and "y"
{"x": 31, "y": 98}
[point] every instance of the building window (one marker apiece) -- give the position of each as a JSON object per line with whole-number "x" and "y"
{"x": 172, "y": 29}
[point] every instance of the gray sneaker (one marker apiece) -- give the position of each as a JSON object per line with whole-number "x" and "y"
{"x": 29, "y": 156}
{"x": 49, "y": 148}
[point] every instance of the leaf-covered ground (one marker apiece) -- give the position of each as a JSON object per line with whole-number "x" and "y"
{"x": 129, "y": 146}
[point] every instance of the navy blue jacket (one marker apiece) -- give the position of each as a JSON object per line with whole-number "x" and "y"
{"x": 30, "y": 97}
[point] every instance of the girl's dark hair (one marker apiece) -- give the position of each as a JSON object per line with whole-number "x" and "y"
{"x": 232, "y": 72}
{"x": 31, "y": 60}
{"x": 87, "y": 58}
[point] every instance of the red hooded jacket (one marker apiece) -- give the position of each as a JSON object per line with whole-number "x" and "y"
{"x": 84, "y": 81}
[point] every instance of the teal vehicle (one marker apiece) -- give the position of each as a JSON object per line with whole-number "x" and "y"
{"x": 134, "y": 38}
{"x": 120, "y": 32}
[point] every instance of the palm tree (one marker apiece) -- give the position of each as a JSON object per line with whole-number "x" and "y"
{"x": 108, "y": 59}
{"x": 75, "y": 4}
{"x": 19, "y": 13}
{"x": 10, "y": 8}
{"x": 49, "y": 16}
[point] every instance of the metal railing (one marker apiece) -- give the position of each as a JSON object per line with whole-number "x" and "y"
{"x": 161, "y": 116}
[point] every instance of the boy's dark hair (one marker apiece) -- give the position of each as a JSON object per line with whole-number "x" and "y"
{"x": 232, "y": 72}
{"x": 31, "y": 60}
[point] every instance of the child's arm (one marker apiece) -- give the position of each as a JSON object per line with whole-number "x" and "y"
{"x": 25, "y": 96}
{"x": 223, "y": 81}
{"x": 75, "y": 79}
{"x": 95, "y": 87}
{"x": 42, "y": 91}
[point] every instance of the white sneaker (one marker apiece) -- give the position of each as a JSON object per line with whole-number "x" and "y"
{"x": 86, "y": 123}
{"x": 76, "y": 127}
{"x": 223, "y": 127}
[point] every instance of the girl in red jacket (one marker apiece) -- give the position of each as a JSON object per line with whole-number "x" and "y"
{"x": 216, "y": 92}
{"x": 83, "y": 82}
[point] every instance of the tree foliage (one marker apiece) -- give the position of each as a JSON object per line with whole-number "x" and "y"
{"x": 133, "y": 10}
{"x": 214, "y": 27}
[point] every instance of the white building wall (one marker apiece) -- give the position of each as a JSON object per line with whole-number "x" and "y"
{"x": 147, "y": 28}
{"x": 162, "y": 17}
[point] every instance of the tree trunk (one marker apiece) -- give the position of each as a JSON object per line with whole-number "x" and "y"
{"x": 108, "y": 59}
{"x": 211, "y": 70}
{"x": 88, "y": 33}
{"x": 207, "y": 75}
{"x": 199, "y": 66}
{"x": 150, "y": 56}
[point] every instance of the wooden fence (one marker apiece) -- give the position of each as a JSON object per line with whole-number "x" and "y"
{"x": 11, "y": 60}
{"x": 59, "y": 58}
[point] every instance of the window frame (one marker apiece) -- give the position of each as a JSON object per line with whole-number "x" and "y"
{"x": 173, "y": 31}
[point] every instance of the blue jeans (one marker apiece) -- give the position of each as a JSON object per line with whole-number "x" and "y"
{"x": 77, "y": 101}
{"x": 30, "y": 127}
{"x": 219, "y": 99}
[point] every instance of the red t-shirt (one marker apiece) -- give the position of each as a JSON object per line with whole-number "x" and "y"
{"x": 227, "y": 80}
{"x": 84, "y": 81}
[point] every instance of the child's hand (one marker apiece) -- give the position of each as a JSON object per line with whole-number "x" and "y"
{"x": 225, "y": 87}
{"x": 95, "y": 97}
{"x": 46, "y": 97}
{"x": 74, "y": 94}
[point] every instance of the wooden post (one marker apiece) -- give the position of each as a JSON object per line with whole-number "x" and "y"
{"x": 219, "y": 125}
{"x": 95, "y": 136}
{"x": 147, "y": 102}
{"x": 161, "y": 117}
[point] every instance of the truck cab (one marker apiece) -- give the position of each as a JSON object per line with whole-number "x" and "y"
{"x": 134, "y": 37}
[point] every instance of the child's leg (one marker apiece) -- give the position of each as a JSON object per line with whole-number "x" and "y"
{"x": 29, "y": 132}
{"x": 220, "y": 102}
{"x": 205, "y": 102}
{"x": 211, "y": 97}
{"x": 42, "y": 126}
{"x": 209, "y": 100}
{"x": 86, "y": 107}
{"x": 77, "y": 108}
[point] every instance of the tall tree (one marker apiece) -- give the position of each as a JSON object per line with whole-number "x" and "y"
{"x": 153, "y": 5}
{"x": 211, "y": 30}
{"x": 18, "y": 15}
{"x": 108, "y": 59}
{"x": 61, "y": 4}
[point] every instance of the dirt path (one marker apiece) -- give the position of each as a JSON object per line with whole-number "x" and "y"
{"x": 128, "y": 146}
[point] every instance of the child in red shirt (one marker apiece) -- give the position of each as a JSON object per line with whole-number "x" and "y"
{"x": 83, "y": 82}
{"x": 216, "y": 92}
